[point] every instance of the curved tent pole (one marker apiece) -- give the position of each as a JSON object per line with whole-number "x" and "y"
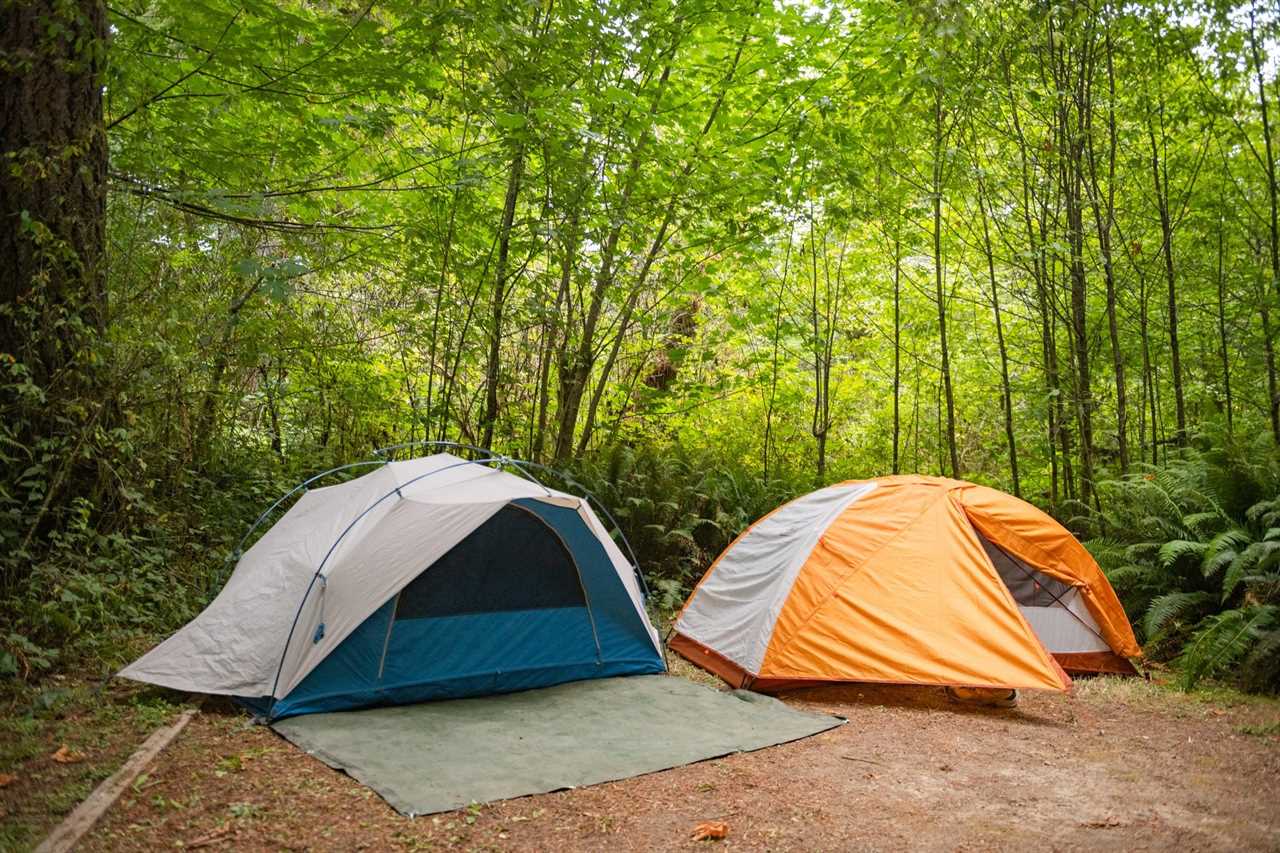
{"x": 317, "y": 576}
{"x": 490, "y": 456}
{"x": 303, "y": 486}
{"x": 591, "y": 498}
{"x": 522, "y": 465}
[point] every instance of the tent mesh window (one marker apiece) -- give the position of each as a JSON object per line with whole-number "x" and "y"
{"x": 1029, "y": 587}
{"x": 514, "y": 561}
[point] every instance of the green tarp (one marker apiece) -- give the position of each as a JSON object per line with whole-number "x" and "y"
{"x": 438, "y": 756}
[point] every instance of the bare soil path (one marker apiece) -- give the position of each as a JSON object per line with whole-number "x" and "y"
{"x": 1121, "y": 765}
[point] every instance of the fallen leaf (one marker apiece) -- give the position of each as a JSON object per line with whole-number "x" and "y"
{"x": 711, "y": 830}
{"x": 7, "y": 779}
{"x": 67, "y": 755}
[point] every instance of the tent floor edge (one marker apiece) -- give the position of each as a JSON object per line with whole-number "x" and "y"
{"x": 711, "y": 661}
{"x": 1095, "y": 663}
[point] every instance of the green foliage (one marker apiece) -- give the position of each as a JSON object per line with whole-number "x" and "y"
{"x": 686, "y": 250}
{"x": 677, "y": 510}
{"x": 1193, "y": 550}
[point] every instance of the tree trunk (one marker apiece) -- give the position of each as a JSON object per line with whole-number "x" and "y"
{"x": 53, "y": 300}
{"x": 773, "y": 363}
{"x": 1273, "y": 198}
{"x": 1035, "y": 246}
{"x": 441, "y": 284}
{"x": 1104, "y": 219}
{"x": 53, "y": 185}
{"x": 897, "y": 345}
{"x": 939, "y": 146}
{"x": 1006, "y": 396}
{"x": 1224, "y": 353}
{"x": 1273, "y": 393}
{"x": 493, "y": 368}
{"x": 1161, "y": 181}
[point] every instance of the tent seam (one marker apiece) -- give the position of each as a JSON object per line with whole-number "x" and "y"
{"x": 835, "y": 587}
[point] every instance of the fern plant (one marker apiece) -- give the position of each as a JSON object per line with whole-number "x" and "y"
{"x": 1193, "y": 550}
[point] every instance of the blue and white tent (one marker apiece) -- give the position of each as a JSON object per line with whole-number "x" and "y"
{"x": 427, "y": 578}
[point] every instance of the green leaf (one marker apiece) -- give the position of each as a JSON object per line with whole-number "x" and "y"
{"x": 510, "y": 121}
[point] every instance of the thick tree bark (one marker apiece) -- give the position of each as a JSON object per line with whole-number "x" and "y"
{"x": 53, "y": 184}
{"x": 53, "y": 299}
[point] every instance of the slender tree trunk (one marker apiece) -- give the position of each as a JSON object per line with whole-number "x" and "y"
{"x": 1059, "y": 399}
{"x": 575, "y": 373}
{"x": 492, "y": 371}
{"x": 1079, "y": 320}
{"x": 1160, "y": 178}
{"x": 1104, "y": 219}
{"x": 273, "y": 410}
{"x": 554, "y": 331}
{"x": 773, "y": 363}
{"x": 1273, "y": 199}
{"x": 939, "y": 150}
{"x": 1006, "y": 395}
{"x": 202, "y": 435}
{"x": 1222, "y": 329}
{"x": 1273, "y": 392}
{"x": 1039, "y": 274}
{"x": 1148, "y": 374}
{"x": 897, "y": 344}
{"x": 441, "y": 285}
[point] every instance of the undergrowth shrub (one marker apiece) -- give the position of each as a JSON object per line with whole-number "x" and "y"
{"x": 99, "y": 587}
{"x": 1193, "y": 550}
{"x": 678, "y": 510}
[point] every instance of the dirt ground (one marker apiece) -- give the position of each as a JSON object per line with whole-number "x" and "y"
{"x": 1117, "y": 765}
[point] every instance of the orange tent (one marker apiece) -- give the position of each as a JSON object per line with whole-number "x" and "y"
{"x": 913, "y": 580}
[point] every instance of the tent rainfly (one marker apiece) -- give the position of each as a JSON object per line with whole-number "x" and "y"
{"x": 426, "y": 578}
{"x": 905, "y": 580}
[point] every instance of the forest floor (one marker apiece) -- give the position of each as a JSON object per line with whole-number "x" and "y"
{"x": 1116, "y": 765}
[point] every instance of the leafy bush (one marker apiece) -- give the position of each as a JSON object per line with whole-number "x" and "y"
{"x": 1193, "y": 550}
{"x": 678, "y": 511}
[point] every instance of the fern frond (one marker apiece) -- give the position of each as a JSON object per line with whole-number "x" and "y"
{"x": 1222, "y": 639}
{"x": 1202, "y": 522}
{"x": 1126, "y": 575}
{"x": 1264, "y": 513}
{"x": 1141, "y": 551}
{"x": 1262, "y": 668}
{"x": 1173, "y": 606}
{"x": 1214, "y": 563}
{"x": 1176, "y": 549}
{"x": 1106, "y": 551}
